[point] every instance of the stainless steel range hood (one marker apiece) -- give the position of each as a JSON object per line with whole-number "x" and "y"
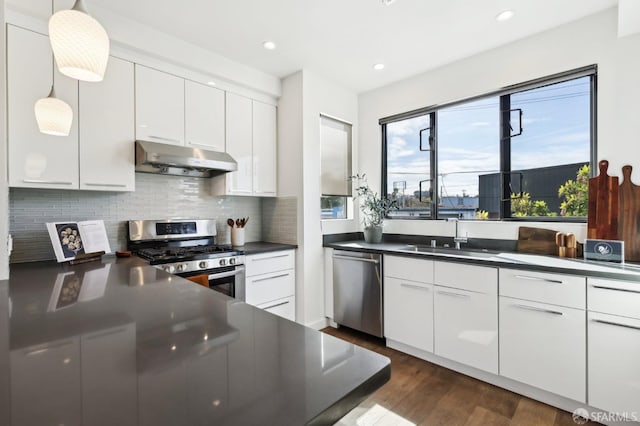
{"x": 152, "y": 157}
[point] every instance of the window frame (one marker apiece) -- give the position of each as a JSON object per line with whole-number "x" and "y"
{"x": 504, "y": 97}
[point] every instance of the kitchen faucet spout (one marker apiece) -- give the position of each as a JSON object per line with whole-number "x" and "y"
{"x": 457, "y": 238}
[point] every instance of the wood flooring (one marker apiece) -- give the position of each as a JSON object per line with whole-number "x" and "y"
{"x": 422, "y": 393}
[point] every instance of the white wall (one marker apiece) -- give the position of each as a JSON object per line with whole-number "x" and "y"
{"x": 304, "y": 97}
{"x": 4, "y": 189}
{"x": 592, "y": 40}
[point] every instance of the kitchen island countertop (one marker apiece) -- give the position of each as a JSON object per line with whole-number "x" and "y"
{"x": 120, "y": 342}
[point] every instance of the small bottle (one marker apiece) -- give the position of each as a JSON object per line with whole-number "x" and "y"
{"x": 433, "y": 243}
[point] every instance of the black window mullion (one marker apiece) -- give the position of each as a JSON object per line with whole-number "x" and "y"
{"x": 505, "y": 156}
{"x": 433, "y": 141}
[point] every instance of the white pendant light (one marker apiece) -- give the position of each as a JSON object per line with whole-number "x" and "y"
{"x": 53, "y": 115}
{"x": 80, "y": 44}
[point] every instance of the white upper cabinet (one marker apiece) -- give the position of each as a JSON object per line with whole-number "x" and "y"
{"x": 251, "y": 141}
{"x": 239, "y": 140}
{"x": 204, "y": 116}
{"x": 264, "y": 149}
{"x": 159, "y": 106}
{"x": 37, "y": 160}
{"x": 107, "y": 130}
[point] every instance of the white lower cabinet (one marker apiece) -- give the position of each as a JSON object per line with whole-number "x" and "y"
{"x": 466, "y": 314}
{"x": 614, "y": 370}
{"x": 544, "y": 346}
{"x": 408, "y": 301}
{"x": 614, "y": 346}
{"x": 286, "y": 308}
{"x": 271, "y": 282}
{"x": 408, "y": 313}
{"x": 466, "y": 327}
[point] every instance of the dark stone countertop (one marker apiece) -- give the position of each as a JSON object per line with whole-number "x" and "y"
{"x": 118, "y": 342}
{"x": 503, "y": 259}
{"x": 264, "y": 247}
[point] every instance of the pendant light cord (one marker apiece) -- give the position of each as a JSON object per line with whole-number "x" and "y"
{"x": 53, "y": 58}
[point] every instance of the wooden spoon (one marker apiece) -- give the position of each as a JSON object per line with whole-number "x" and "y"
{"x": 246, "y": 220}
{"x": 238, "y": 223}
{"x": 230, "y": 222}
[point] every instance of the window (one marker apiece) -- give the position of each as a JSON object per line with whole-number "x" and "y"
{"x": 335, "y": 167}
{"x": 520, "y": 153}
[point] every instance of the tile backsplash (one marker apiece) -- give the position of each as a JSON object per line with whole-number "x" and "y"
{"x": 279, "y": 220}
{"x": 155, "y": 197}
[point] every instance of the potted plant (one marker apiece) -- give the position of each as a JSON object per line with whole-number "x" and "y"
{"x": 374, "y": 209}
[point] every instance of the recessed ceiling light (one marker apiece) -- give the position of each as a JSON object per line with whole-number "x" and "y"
{"x": 269, "y": 45}
{"x": 505, "y": 15}
{"x": 378, "y": 67}
{"x": 388, "y": 2}
{"x": 211, "y": 83}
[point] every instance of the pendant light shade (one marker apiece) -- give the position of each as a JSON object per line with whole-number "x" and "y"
{"x": 80, "y": 44}
{"x": 54, "y": 116}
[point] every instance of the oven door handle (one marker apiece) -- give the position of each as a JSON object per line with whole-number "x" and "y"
{"x": 224, "y": 274}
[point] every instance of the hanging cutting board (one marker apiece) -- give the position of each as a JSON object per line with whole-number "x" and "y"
{"x": 628, "y": 226}
{"x": 602, "y": 222}
{"x": 537, "y": 241}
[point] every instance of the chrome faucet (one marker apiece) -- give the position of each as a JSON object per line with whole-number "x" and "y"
{"x": 457, "y": 238}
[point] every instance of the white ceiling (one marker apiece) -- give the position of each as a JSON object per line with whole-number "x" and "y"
{"x": 342, "y": 39}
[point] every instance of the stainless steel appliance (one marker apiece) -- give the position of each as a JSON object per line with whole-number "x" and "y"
{"x": 357, "y": 291}
{"x": 162, "y": 158}
{"x": 188, "y": 248}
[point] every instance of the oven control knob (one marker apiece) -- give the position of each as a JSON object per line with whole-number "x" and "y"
{"x": 181, "y": 267}
{"x": 232, "y": 261}
{"x": 223, "y": 262}
{"x": 203, "y": 265}
{"x": 169, "y": 269}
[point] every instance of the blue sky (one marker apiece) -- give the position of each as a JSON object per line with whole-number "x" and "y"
{"x": 556, "y": 131}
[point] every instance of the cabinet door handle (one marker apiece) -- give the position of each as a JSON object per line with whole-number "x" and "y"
{"x": 270, "y": 257}
{"x": 47, "y": 182}
{"x": 417, "y": 287}
{"x": 162, "y": 138}
{"x": 533, "y": 308}
{"x": 602, "y": 287}
{"x": 617, "y": 324}
{"x": 113, "y": 185}
{"x": 448, "y": 293}
{"x": 357, "y": 259}
{"x": 271, "y": 278}
{"x": 276, "y": 305}
{"x": 546, "y": 280}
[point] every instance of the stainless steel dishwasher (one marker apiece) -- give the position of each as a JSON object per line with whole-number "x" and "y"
{"x": 357, "y": 291}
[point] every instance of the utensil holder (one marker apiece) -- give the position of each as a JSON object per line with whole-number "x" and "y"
{"x": 237, "y": 237}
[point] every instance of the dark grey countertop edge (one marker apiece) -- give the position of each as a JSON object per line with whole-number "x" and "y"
{"x": 258, "y": 247}
{"x": 350, "y": 401}
{"x": 620, "y": 274}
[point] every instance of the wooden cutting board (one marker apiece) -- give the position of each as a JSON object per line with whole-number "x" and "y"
{"x": 602, "y": 222}
{"x": 537, "y": 241}
{"x": 628, "y": 226}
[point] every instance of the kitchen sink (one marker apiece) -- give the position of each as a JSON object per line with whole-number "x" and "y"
{"x": 477, "y": 253}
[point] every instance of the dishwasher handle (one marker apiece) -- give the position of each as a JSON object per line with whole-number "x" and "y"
{"x": 357, "y": 259}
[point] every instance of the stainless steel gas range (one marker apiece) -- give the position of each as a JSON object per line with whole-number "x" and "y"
{"x": 188, "y": 248}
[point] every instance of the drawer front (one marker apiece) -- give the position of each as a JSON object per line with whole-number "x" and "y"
{"x": 408, "y": 313}
{"x": 556, "y": 289}
{"x": 614, "y": 371}
{"x": 614, "y": 297}
{"x": 268, "y": 287}
{"x": 466, "y": 327}
{"x": 263, "y": 263}
{"x": 408, "y": 268}
{"x": 544, "y": 346}
{"x": 285, "y": 308}
{"x": 480, "y": 279}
